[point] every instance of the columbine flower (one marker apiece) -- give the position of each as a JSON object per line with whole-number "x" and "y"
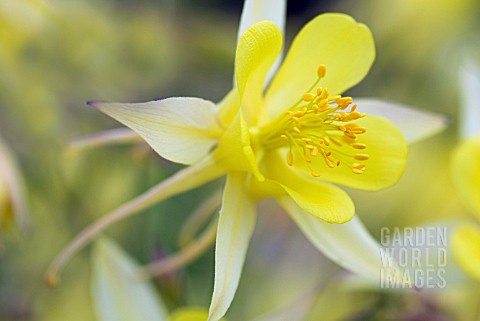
{"x": 466, "y": 172}
{"x": 290, "y": 142}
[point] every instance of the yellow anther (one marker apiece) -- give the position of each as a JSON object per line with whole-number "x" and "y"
{"x": 314, "y": 151}
{"x": 349, "y": 139}
{"x": 306, "y": 139}
{"x": 298, "y": 114}
{"x": 326, "y": 141}
{"x": 290, "y": 113}
{"x": 354, "y": 107}
{"x": 357, "y": 171}
{"x": 309, "y": 147}
{"x": 342, "y": 128}
{"x": 284, "y": 137}
{"x": 321, "y": 102}
{"x": 304, "y": 111}
{"x": 354, "y": 115}
{"x": 328, "y": 153}
{"x": 308, "y": 97}
{"x": 290, "y": 158}
{"x": 350, "y": 135}
{"x": 315, "y": 108}
{"x": 325, "y": 93}
{"x": 359, "y": 146}
{"x": 329, "y": 162}
{"x": 296, "y": 120}
{"x": 359, "y": 130}
{"x": 295, "y": 129}
{"x": 359, "y": 166}
{"x": 362, "y": 156}
{"x": 321, "y": 71}
{"x": 319, "y": 91}
{"x": 315, "y": 173}
{"x": 338, "y": 163}
{"x": 336, "y": 141}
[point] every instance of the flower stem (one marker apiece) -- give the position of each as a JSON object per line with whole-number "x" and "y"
{"x": 186, "y": 179}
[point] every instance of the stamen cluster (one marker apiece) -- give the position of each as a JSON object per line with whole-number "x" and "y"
{"x": 319, "y": 125}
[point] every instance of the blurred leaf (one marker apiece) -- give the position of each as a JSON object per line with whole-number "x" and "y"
{"x": 118, "y": 295}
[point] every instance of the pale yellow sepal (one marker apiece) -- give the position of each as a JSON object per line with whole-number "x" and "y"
{"x": 257, "y": 50}
{"x": 117, "y": 294}
{"x": 182, "y": 130}
{"x": 235, "y": 152}
{"x": 466, "y": 249}
{"x": 350, "y": 245}
{"x": 387, "y": 150}
{"x": 235, "y": 228}
{"x": 465, "y": 169}
{"x": 415, "y": 125}
{"x": 335, "y": 40}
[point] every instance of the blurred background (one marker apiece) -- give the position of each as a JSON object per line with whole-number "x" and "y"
{"x": 55, "y": 55}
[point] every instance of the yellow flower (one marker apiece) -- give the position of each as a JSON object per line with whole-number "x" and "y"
{"x": 465, "y": 172}
{"x": 289, "y": 142}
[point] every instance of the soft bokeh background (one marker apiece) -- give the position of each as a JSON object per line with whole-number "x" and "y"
{"x": 55, "y": 55}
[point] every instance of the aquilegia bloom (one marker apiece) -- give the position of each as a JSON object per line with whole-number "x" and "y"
{"x": 290, "y": 142}
{"x": 287, "y": 143}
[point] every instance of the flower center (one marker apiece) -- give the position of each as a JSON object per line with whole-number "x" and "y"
{"x": 320, "y": 125}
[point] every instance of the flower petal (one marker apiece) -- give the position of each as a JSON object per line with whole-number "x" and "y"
{"x": 235, "y": 228}
{"x": 257, "y": 50}
{"x": 182, "y": 130}
{"x": 465, "y": 172}
{"x": 118, "y": 296}
{"x": 466, "y": 249}
{"x": 349, "y": 245}
{"x": 414, "y": 124}
{"x": 387, "y": 150}
{"x": 235, "y": 152}
{"x": 322, "y": 200}
{"x": 259, "y": 10}
{"x": 470, "y": 99}
{"x": 333, "y": 39}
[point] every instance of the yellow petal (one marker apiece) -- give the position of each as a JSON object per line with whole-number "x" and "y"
{"x": 235, "y": 228}
{"x": 235, "y": 152}
{"x": 257, "y": 50}
{"x": 335, "y": 40}
{"x": 255, "y": 11}
{"x": 387, "y": 150}
{"x": 182, "y": 130}
{"x": 322, "y": 200}
{"x": 466, "y": 249}
{"x": 465, "y": 169}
